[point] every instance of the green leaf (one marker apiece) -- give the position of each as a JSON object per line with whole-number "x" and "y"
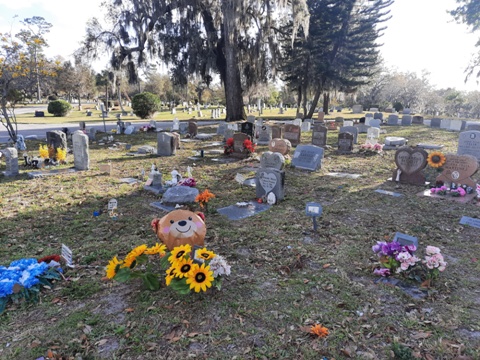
{"x": 164, "y": 263}
{"x": 151, "y": 281}
{"x": 3, "y": 304}
{"x": 180, "y": 285}
{"x": 217, "y": 282}
{"x": 123, "y": 275}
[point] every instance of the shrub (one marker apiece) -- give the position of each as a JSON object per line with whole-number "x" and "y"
{"x": 59, "y": 107}
{"x": 52, "y": 97}
{"x": 398, "y": 106}
{"x": 145, "y": 104}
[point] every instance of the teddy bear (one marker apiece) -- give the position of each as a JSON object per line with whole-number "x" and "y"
{"x": 180, "y": 227}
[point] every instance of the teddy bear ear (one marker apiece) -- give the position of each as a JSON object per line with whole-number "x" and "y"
{"x": 154, "y": 225}
{"x": 201, "y": 215}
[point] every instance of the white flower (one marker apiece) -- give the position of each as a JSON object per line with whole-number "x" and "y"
{"x": 219, "y": 266}
{"x": 432, "y": 250}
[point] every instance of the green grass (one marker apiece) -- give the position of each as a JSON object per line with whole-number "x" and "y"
{"x": 284, "y": 275}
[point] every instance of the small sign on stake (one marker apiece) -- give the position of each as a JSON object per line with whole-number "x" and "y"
{"x": 314, "y": 210}
{"x": 112, "y": 208}
{"x": 67, "y": 255}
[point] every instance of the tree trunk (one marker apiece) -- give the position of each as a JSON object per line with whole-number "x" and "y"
{"x": 326, "y": 101}
{"x": 299, "y": 98}
{"x": 120, "y": 99}
{"x": 318, "y": 92}
{"x": 232, "y": 83}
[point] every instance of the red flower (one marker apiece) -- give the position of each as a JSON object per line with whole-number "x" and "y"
{"x": 49, "y": 258}
{"x": 230, "y": 142}
{"x": 249, "y": 146}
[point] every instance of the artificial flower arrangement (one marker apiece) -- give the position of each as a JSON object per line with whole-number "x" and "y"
{"x": 203, "y": 199}
{"x": 48, "y": 152}
{"x": 436, "y": 159}
{"x": 371, "y": 149}
{"x": 187, "y": 270}
{"x": 454, "y": 190}
{"x": 248, "y": 147}
{"x": 191, "y": 182}
{"x": 147, "y": 128}
{"x": 23, "y": 278}
{"x": 396, "y": 258}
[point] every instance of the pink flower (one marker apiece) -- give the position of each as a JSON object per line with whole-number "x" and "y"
{"x": 432, "y": 250}
{"x": 382, "y": 272}
{"x": 378, "y": 147}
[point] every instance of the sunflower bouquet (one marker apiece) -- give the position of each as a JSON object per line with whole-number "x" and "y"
{"x": 137, "y": 264}
{"x": 194, "y": 270}
{"x": 187, "y": 270}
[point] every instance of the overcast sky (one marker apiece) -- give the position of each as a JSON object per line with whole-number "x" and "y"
{"x": 420, "y": 35}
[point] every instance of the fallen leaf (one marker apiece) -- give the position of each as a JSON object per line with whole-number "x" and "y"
{"x": 101, "y": 342}
{"x": 305, "y": 329}
{"x": 129, "y": 310}
{"x": 326, "y": 266}
{"x": 421, "y": 335}
{"x": 35, "y": 343}
{"x": 193, "y": 334}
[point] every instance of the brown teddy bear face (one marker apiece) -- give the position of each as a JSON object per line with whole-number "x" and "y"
{"x": 180, "y": 227}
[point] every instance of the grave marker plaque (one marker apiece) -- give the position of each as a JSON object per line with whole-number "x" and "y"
{"x": 319, "y": 135}
{"x": 272, "y": 160}
{"x": 469, "y": 143}
{"x": 81, "y": 157}
{"x": 270, "y": 180}
{"x": 281, "y": 146}
{"x": 277, "y": 132}
{"x": 248, "y": 129}
{"x": 459, "y": 169}
{"x": 264, "y": 135}
{"x": 238, "y": 149}
{"x": 352, "y": 130}
{"x": 410, "y": 163}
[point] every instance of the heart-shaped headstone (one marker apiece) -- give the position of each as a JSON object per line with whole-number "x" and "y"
{"x": 458, "y": 169}
{"x": 272, "y": 160}
{"x": 267, "y": 181}
{"x": 410, "y": 160}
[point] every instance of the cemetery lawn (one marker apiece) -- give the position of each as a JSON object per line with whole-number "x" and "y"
{"x": 165, "y": 115}
{"x": 284, "y": 276}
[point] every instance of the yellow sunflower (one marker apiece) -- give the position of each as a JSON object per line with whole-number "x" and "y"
{"x": 171, "y": 273}
{"x": 159, "y": 249}
{"x": 131, "y": 258}
{"x": 204, "y": 254}
{"x": 201, "y": 278}
{"x": 436, "y": 159}
{"x": 113, "y": 267}
{"x": 179, "y": 253}
{"x": 183, "y": 268}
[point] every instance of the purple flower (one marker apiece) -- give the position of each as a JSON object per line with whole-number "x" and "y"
{"x": 411, "y": 248}
{"x": 382, "y": 272}
{"x": 377, "y": 248}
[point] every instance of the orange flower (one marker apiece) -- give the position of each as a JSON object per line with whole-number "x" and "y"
{"x": 203, "y": 197}
{"x": 319, "y": 330}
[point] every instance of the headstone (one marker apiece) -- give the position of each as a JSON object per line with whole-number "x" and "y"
{"x": 357, "y": 109}
{"x": 417, "y": 120}
{"x": 130, "y": 129}
{"x": 392, "y": 119}
{"x": 319, "y": 135}
{"x": 375, "y": 123}
{"x": 81, "y": 156}
{"x": 298, "y": 117}
{"x": 176, "y": 124}
{"x": 297, "y": 122}
{"x": 435, "y": 122}
{"x": 362, "y": 128}
{"x": 281, "y": 146}
{"x": 410, "y": 163}
{"x": 473, "y": 127}
{"x": 91, "y": 134}
{"x": 378, "y": 115}
{"x": 277, "y": 132}
{"x": 221, "y": 128}
{"x": 389, "y": 110}
{"x": 248, "y": 129}
{"x": 373, "y": 109}
{"x": 308, "y": 157}
{"x": 82, "y": 125}
{"x": 405, "y": 239}
{"x": 321, "y": 116}
{"x": 331, "y": 125}
{"x": 345, "y": 143}
{"x": 11, "y": 160}
{"x": 56, "y": 139}
{"x": 166, "y": 144}
{"x": 270, "y": 180}
{"x": 469, "y": 143}
{"x": 20, "y": 143}
{"x": 456, "y": 125}
{"x": 406, "y": 111}
{"x": 339, "y": 120}
{"x": 179, "y": 195}
{"x": 251, "y": 119}
{"x": 281, "y": 111}
{"x": 406, "y": 120}
{"x": 238, "y": 149}
{"x": 372, "y": 135}
{"x": 174, "y": 111}
{"x": 228, "y": 134}
{"x": 466, "y": 220}
{"x": 458, "y": 169}
{"x": 369, "y": 115}
{"x": 395, "y": 141}
{"x": 348, "y": 123}
{"x": 192, "y": 129}
{"x": 305, "y": 126}
{"x": 293, "y": 134}
{"x": 351, "y": 129}
{"x": 272, "y": 160}
{"x": 445, "y": 124}
{"x": 264, "y": 135}
{"x": 199, "y": 113}
{"x": 368, "y": 119}
{"x": 39, "y": 113}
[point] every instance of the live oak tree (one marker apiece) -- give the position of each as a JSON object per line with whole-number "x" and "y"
{"x": 341, "y": 51}
{"x": 468, "y": 12}
{"x": 234, "y": 38}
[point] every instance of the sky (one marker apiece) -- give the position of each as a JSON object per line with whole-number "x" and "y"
{"x": 421, "y": 35}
